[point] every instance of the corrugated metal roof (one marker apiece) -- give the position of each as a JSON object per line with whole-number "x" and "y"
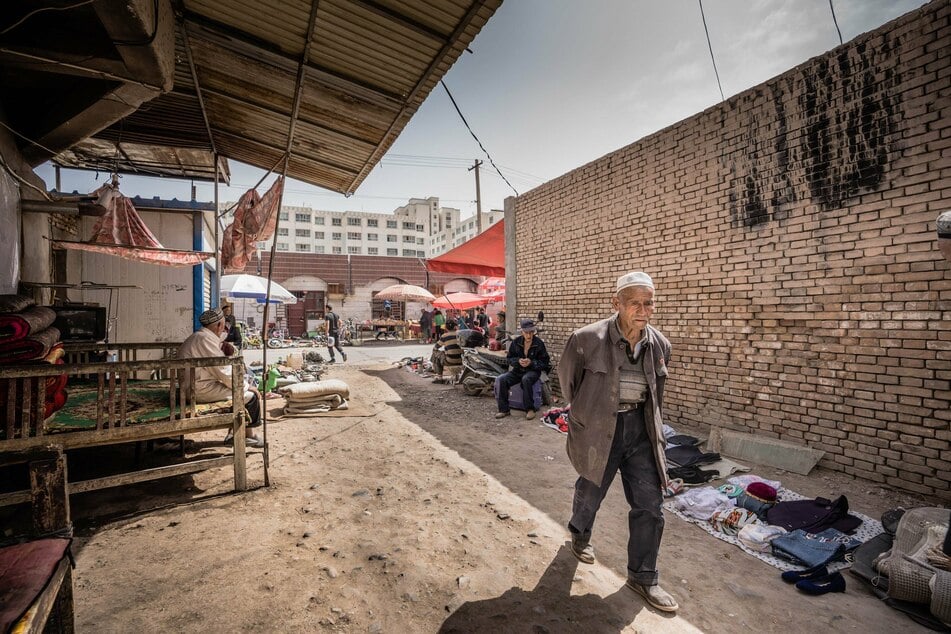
{"x": 369, "y": 66}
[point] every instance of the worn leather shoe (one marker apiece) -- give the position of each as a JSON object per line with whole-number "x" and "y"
{"x": 655, "y": 596}
{"x": 503, "y": 414}
{"x": 584, "y": 551}
{"x": 530, "y": 414}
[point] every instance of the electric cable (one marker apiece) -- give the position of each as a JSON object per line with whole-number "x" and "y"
{"x": 461, "y": 116}
{"x": 710, "y": 46}
{"x": 40, "y": 10}
{"x": 835, "y": 22}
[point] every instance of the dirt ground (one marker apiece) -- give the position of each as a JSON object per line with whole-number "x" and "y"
{"x": 417, "y": 511}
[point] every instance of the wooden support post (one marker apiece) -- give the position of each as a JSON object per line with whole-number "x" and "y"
{"x": 48, "y": 491}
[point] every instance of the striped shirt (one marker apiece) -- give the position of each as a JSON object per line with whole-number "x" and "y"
{"x": 450, "y": 343}
{"x": 633, "y": 383}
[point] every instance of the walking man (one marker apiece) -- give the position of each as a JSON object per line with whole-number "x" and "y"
{"x": 613, "y": 373}
{"x": 333, "y": 333}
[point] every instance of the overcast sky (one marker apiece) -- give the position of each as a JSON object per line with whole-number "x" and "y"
{"x": 553, "y": 84}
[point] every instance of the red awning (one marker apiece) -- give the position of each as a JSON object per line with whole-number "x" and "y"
{"x": 483, "y": 255}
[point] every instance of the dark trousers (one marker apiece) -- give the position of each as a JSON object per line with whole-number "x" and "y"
{"x": 632, "y": 455}
{"x": 330, "y": 349}
{"x": 528, "y": 380}
{"x": 253, "y": 407}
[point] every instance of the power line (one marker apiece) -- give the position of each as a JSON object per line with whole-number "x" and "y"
{"x": 461, "y": 116}
{"x": 835, "y": 22}
{"x": 710, "y": 46}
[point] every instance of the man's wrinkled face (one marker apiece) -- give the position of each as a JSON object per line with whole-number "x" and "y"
{"x": 634, "y": 306}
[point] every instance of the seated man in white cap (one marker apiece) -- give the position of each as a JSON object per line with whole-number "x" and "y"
{"x": 613, "y": 373}
{"x": 214, "y": 383}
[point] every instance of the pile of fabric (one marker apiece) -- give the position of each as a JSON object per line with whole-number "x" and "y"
{"x": 314, "y": 397}
{"x": 27, "y": 337}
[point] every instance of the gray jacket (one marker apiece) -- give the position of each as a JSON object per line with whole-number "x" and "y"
{"x": 589, "y": 374}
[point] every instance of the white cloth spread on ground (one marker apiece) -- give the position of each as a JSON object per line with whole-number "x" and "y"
{"x": 866, "y": 531}
{"x": 313, "y": 397}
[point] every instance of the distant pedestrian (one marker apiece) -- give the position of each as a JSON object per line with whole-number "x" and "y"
{"x": 439, "y": 322}
{"x": 333, "y": 333}
{"x": 425, "y": 325}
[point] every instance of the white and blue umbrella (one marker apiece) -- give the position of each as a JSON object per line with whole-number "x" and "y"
{"x": 246, "y": 286}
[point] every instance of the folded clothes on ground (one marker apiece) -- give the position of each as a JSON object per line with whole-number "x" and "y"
{"x": 814, "y": 516}
{"x": 685, "y": 456}
{"x": 691, "y": 475}
{"x": 15, "y": 326}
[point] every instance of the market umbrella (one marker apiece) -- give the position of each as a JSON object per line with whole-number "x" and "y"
{"x": 405, "y": 293}
{"x": 244, "y": 286}
{"x": 460, "y": 301}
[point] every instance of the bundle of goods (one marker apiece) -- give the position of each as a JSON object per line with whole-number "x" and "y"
{"x": 314, "y": 397}
{"x": 27, "y": 337}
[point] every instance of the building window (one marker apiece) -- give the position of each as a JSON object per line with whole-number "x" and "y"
{"x": 302, "y": 233}
{"x": 302, "y": 247}
{"x": 283, "y": 215}
{"x": 282, "y": 231}
{"x": 392, "y": 251}
{"x": 336, "y": 235}
{"x": 318, "y": 220}
{"x": 338, "y": 250}
{"x": 373, "y": 222}
{"x": 354, "y": 250}
{"x": 354, "y": 222}
{"x": 372, "y": 251}
{"x": 319, "y": 235}
{"x": 420, "y": 241}
{"x": 373, "y": 237}
{"x": 420, "y": 254}
{"x": 354, "y": 235}
{"x": 390, "y": 238}
{"x": 302, "y": 217}
{"x": 336, "y": 222}
{"x": 319, "y": 249}
{"x": 282, "y": 246}
{"x": 409, "y": 239}
{"x": 419, "y": 228}
{"x": 391, "y": 224}
{"x": 409, "y": 253}
{"x": 409, "y": 226}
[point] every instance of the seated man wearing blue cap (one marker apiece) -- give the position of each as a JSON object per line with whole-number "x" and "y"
{"x": 613, "y": 372}
{"x": 527, "y": 358}
{"x": 214, "y": 383}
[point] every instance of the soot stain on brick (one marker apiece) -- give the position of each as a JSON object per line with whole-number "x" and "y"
{"x": 848, "y": 152}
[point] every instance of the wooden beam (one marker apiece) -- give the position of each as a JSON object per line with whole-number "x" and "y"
{"x": 48, "y": 495}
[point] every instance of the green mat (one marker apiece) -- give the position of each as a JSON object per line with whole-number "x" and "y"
{"x": 146, "y": 402}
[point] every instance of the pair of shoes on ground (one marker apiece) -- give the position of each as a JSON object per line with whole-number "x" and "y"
{"x": 530, "y": 414}
{"x": 656, "y": 597}
{"x": 253, "y": 442}
{"x": 815, "y": 581}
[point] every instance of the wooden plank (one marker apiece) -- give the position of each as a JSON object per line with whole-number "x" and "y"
{"x": 40, "y": 406}
{"x": 57, "y": 593}
{"x": 48, "y": 495}
{"x": 28, "y": 422}
{"x": 112, "y": 401}
{"x": 144, "y": 475}
{"x": 12, "y": 407}
{"x": 237, "y": 405}
{"x": 171, "y": 395}
{"x": 129, "y": 433}
{"x": 99, "y": 405}
{"x": 123, "y": 395}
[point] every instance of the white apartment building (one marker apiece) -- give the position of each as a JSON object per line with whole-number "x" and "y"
{"x": 420, "y": 228}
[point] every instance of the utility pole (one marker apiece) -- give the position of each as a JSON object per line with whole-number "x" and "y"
{"x": 478, "y": 197}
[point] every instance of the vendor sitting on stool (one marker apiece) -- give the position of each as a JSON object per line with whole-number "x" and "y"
{"x": 527, "y": 358}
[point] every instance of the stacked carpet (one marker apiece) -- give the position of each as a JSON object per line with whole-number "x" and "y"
{"x": 314, "y": 397}
{"x": 27, "y": 337}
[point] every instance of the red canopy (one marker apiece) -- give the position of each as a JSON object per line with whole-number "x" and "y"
{"x": 483, "y": 255}
{"x": 461, "y": 301}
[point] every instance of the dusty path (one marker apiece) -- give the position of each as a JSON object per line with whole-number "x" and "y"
{"x": 376, "y": 524}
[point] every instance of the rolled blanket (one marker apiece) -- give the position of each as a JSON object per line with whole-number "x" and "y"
{"x": 15, "y": 326}
{"x": 310, "y": 389}
{"x": 35, "y": 346}
{"x": 15, "y": 303}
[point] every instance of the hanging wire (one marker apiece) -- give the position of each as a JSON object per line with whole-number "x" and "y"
{"x": 835, "y": 22}
{"x": 461, "y": 116}
{"x": 710, "y": 46}
{"x": 40, "y": 10}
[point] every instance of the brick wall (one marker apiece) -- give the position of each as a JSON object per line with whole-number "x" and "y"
{"x": 791, "y": 235}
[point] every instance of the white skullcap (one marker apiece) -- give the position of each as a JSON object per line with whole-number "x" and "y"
{"x": 634, "y": 278}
